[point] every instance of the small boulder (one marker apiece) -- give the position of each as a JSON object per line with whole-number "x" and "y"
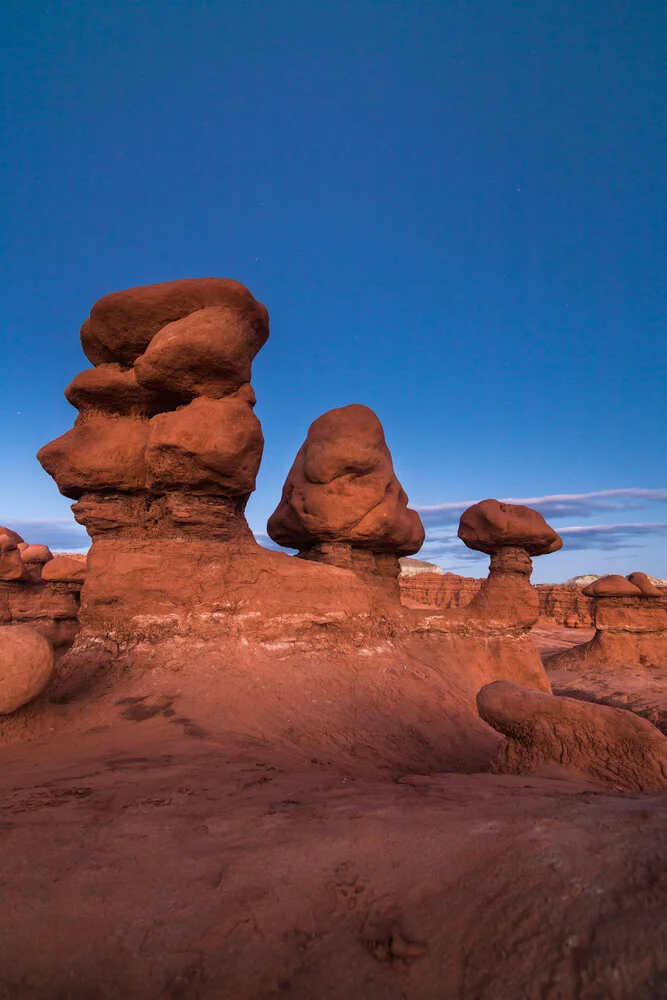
{"x": 35, "y": 555}
{"x": 549, "y": 734}
{"x": 26, "y": 666}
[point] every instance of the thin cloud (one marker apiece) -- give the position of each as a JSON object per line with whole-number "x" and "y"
{"x": 57, "y": 534}
{"x": 554, "y": 505}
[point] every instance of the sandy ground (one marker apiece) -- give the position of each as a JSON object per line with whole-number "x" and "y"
{"x": 148, "y": 860}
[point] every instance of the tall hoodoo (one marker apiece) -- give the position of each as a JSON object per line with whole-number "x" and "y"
{"x": 511, "y": 534}
{"x": 342, "y": 503}
{"x": 166, "y": 442}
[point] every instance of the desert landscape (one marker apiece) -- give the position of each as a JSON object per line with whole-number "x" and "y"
{"x": 232, "y": 772}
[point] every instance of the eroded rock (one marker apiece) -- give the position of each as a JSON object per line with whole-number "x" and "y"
{"x": 546, "y": 733}
{"x": 26, "y": 666}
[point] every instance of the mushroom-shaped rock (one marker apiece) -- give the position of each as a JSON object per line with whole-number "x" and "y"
{"x": 342, "y": 488}
{"x": 12, "y": 567}
{"x": 210, "y": 446}
{"x": 26, "y": 666}
{"x": 36, "y": 555}
{"x": 122, "y": 324}
{"x": 99, "y": 453}
{"x": 113, "y": 389}
{"x": 611, "y": 586}
{"x": 643, "y": 582}
{"x": 64, "y": 569}
{"x": 551, "y": 734}
{"x": 208, "y": 353}
{"x": 492, "y": 525}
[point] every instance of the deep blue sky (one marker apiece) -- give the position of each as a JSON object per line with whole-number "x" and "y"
{"x": 455, "y": 213}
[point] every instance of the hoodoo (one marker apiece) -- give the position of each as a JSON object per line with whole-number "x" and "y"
{"x": 342, "y": 503}
{"x": 511, "y": 534}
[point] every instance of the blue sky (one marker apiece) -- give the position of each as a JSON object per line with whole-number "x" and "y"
{"x": 455, "y": 213}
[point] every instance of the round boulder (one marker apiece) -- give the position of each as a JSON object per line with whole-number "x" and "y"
{"x": 26, "y": 666}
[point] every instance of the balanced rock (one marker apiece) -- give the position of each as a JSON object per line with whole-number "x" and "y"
{"x": 26, "y": 666}
{"x": 122, "y": 324}
{"x": 208, "y": 353}
{"x": 549, "y": 734}
{"x": 342, "y": 488}
{"x": 492, "y": 525}
{"x": 112, "y": 389}
{"x": 342, "y": 503}
{"x": 36, "y": 554}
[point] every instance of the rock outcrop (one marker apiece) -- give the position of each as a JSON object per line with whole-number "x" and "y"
{"x": 342, "y": 503}
{"x": 38, "y": 590}
{"x": 160, "y": 463}
{"x": 26, "y": 666}
{"x": 630, "y": 623}
{"x": 546, "y": 734}
{"x": 560, "y": 603}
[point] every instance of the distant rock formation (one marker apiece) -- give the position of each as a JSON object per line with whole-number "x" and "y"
{"x": 38, "y": 589}
{"x": 630, "y": 618}
{"x": 413, "y": 567}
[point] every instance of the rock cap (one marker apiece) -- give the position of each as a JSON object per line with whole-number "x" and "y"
{"x": 647, "y": 588}
{"x": 491, "y": 525}
{"x": 612, "y": 585}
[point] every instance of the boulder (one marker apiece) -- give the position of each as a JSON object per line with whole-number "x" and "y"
{"x": 208, "y": 353}
{"x": 342, "y": 488}
{"x": 12, "y": 567}
{"x": 26, "y": 666}
{"x": 552, "y": 735}
{"x": 210, "y": 446}
{"x": 64, "y": 569}
{"x": 122, "y": 324}
{"x": 113, "y": 389}
{"x": 491, "y": 525}
{"x": 36, "y": 554}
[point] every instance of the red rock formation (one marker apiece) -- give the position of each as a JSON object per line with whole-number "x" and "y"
{"x": 39, "y": 593}
{"x": 342, "y": 503}
{"x": 564, "y": 604}
{"x": 511, "y": 534}
{"x": 161, "y": 461}
{"x": 560, "y": 603}
{"x": 552, "y": 735}
{"x": 631, "y": 628}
